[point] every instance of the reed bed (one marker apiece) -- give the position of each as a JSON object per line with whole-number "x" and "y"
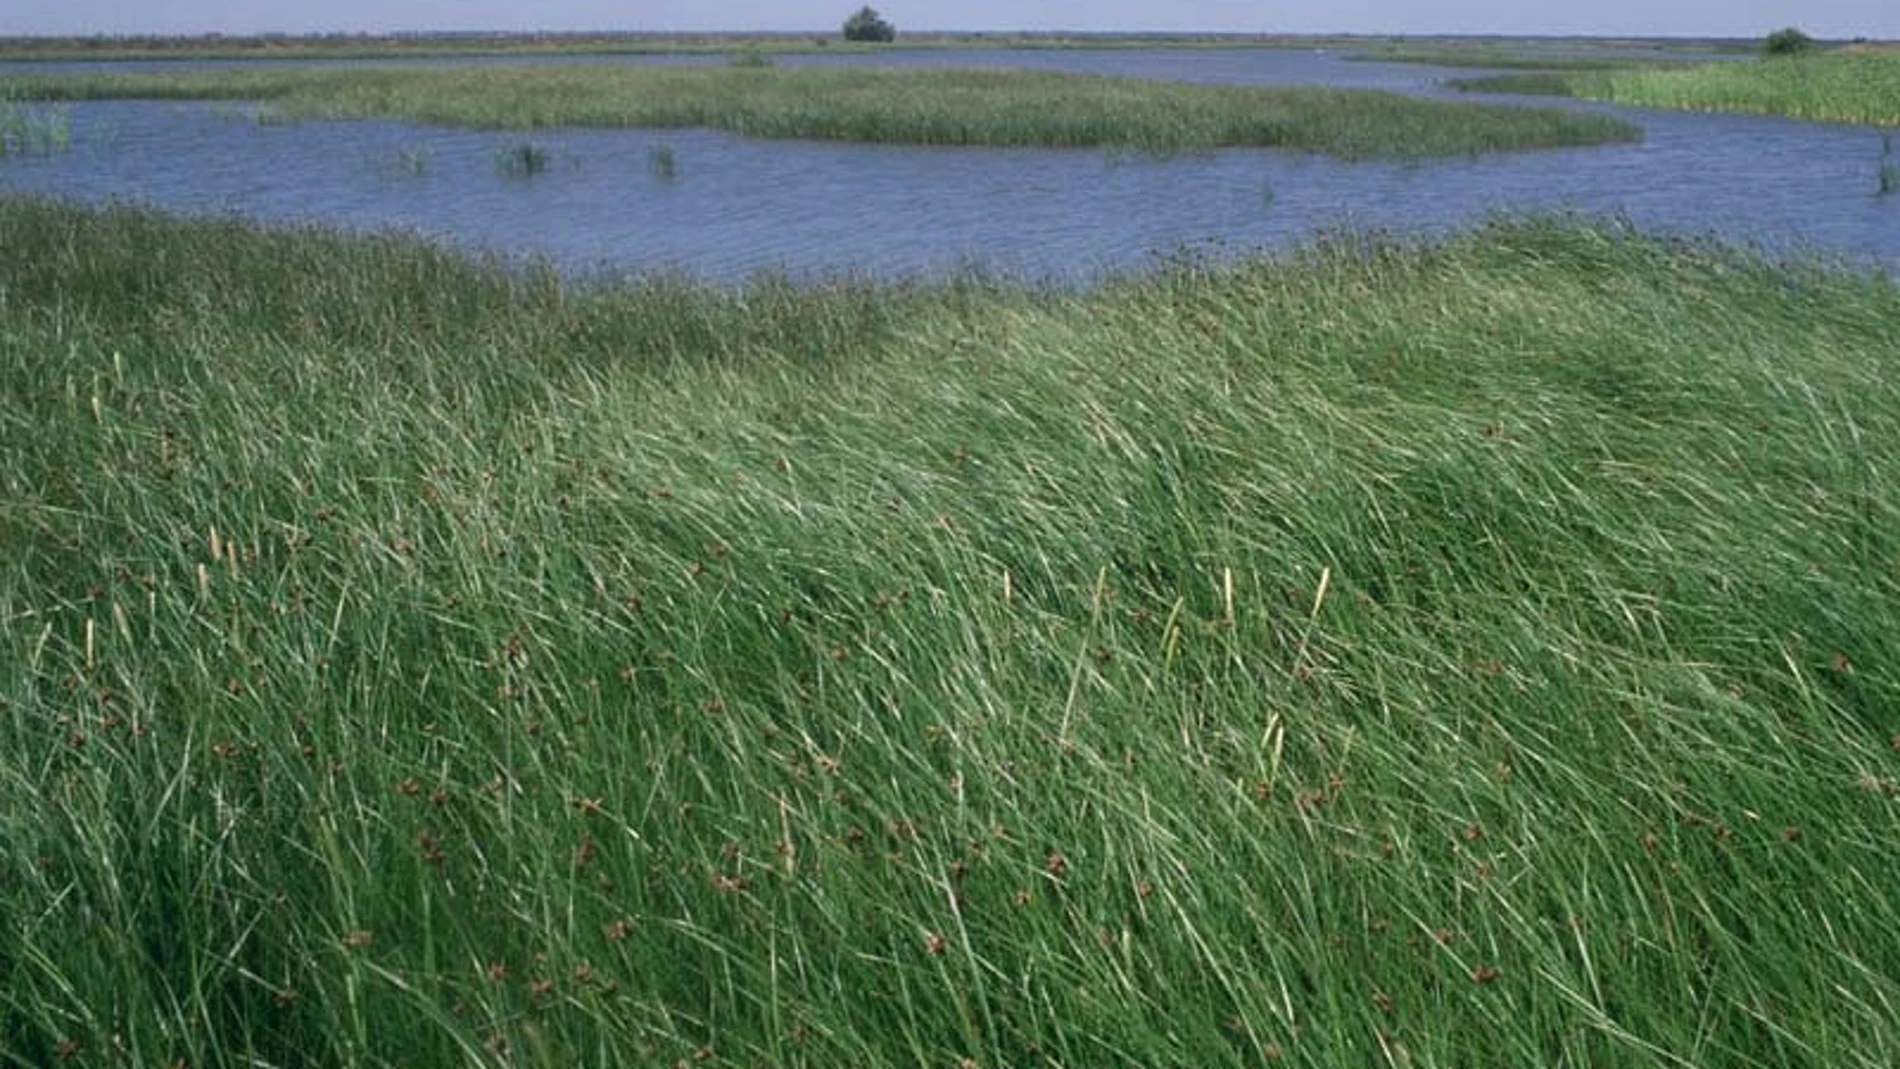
{"x": 27, "y": 130}
{"x": 1460, "y": 655}
{"x": 1854, "y": 88}
{"x": 936, "y": 107}
{"x": 1849, "y": 87}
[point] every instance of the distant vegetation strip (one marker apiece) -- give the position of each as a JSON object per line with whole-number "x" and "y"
{"x": 1511, "y": 56}
{"x": 937, "y": 107}
{"x": 1855, "y": 87}
{"x": 399, "y": 46}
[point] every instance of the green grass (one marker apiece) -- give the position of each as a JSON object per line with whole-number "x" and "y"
{"x": 26, "y": 130}
{"x": 1853, "y": 87}
{"x": 939, "y": 107}
{"x": 1468, "y": 655}
{"x": 553, "y": 44}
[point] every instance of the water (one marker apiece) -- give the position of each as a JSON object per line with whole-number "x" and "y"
{"x": 732, "y": 206}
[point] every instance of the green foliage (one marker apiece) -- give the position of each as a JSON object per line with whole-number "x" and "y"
{"x": 1836, "y": 87}
{"x": 866, "y": 25}
{"x": 1483, "y": 652}
{"x": 753, "y": 58}
{"x": 948, "y": 107}
{"x": 1789, "y": 41}
{"x": 26, "y": 130}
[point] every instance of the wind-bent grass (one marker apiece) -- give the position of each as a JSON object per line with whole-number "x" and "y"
{"x": 1471, "y": 655}
{"x": 1855, "y": 87}
{"x": 939, "y": 107}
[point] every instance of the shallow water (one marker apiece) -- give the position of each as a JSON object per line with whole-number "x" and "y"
{"x": 734, "y": 206}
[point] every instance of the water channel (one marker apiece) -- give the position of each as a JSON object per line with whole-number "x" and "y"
{"x": 730, "y": 206}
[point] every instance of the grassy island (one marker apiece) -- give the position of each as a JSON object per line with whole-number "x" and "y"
{"x": 936, "y": 107}
{"x": 1852, "y": 87}
{"x": 1471, "y": 654}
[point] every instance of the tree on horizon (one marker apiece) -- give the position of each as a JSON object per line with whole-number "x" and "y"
{"x": 868, "y": 25}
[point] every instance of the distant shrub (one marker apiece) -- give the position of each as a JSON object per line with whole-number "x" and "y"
{"x": 1787, "y": 42}
{"x": 868, "y": 25}
{"x": 750, "y": 57}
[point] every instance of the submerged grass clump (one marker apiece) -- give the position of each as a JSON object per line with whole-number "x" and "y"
{"x": 409, "y": 161}
{"x": 523, "y": 159}
{"x": 940, "y": 107}
{"x": 1530, "y": 83}
{"x": 663, "y": 162}
{"x": 1485, "y": 650}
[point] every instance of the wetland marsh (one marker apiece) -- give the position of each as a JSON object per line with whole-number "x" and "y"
{"x": 1459, "y": 644}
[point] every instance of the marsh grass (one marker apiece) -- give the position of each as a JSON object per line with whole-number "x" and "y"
{"x": 754, "y": 58}
{"x": 1484, "y": 653}
{"x": 409, "y": 46}
{"x": 1853, "y": 87}
{"x": 942, "y": 107}
{"x": 27, "y": 130}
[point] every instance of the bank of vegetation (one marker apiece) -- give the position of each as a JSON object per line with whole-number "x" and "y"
{"x": 1847, "y": 86}
{"x": 1468, "y": 654}
{"x": 935, "y": 107}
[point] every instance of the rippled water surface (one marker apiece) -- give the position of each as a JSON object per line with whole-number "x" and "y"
{"x": 729, "y": 205}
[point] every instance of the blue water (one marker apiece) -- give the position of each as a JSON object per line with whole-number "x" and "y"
{"x": 732, "y": 206}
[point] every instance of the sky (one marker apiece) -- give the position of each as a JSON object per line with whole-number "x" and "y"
{"x": 1688, "y": 18}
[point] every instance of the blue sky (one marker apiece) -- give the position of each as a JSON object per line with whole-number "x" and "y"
{"x": 1744, "y": 18}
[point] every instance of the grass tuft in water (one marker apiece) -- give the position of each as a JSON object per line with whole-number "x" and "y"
{"x": 412, "y": 161}
{"x": 28, "y": 130}
{"x": 522, "y": 160}
{"x": 663, "y": 162}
